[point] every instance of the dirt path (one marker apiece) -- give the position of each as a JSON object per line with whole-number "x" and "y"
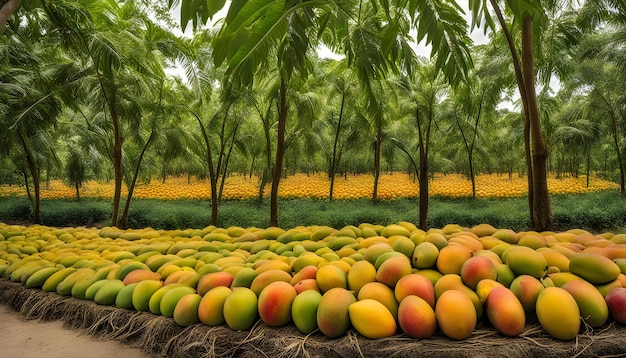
{"x": 21, "y": 338}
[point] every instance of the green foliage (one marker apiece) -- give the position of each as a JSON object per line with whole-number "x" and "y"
{"x": 595, "y": 212}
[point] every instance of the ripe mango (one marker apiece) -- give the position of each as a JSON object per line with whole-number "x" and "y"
{"x": 372, "y": 319}
{"x": 525, "y": 261}
{"x": 240, "y": 308}
{"x": 333, "y": 317}
{"x": 267, "y": 277}
{"x": 455, "y": 314}
{"x": 360, "y": 273}
{"x": 527, "y": 288}
{"x": 330, "y": 276}
{"x": 417, "y": 285}
{"x": 170, "y": 299}
{"x": 214, "y": 279}
{"x": 381, "y": 293}
{"x": 484, "y": 287}
{"x": 91, "y": 291}
{"x": 107, "y": 294}
{"x": 505, "y": 312}
{"x": 477, "y": 268}
{"x": 425, "y": 255}
{"x": 211, "y": 307}
{"x": 186, "y": 310}
{"x": 416, "y": 317}
{"x": 558, "y": 313}
{"x": 304, "y": 310}
{"x": 124, "y": 298}
{"x": 274, "y": 303}
{"x": 244, "y": 277}
{"x": 595, "y": 268}
{"x": 393, "y": 269}
{"x": 451, "y": 259}
{"x": 142, "y": 293}
{"x": 140, "y": 275}
{"x": 593, "y": 308}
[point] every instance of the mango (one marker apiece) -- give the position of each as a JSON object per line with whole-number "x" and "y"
{"x": 170, "y": 299}
{"x": 455, "y": 314}
{"x": 593, "y": 308}
{"x": 595, "y": 268}
{"x": 372, "y": 319}
{"x": 305, "y": 285}
{"x": 64, "y": 288}
{"x": 142, "y": 293}
{"x": 417, "y": 285}
{"x": 381, "y": 293}
{"x": 333, "y": 318}
{"x": 304, "y": 310}
{"x": 416, "y": 317}
{"x": 525, "y": 261}
{"x": 555, "y": 259}
{"x": 140, "y": 275}
{"x": 91, "y": 291}
{"x": 436, "y": 238}
{"x": 128, "y": 267}
{"x": 425, "y": 255}
{"x": 484, "y": 287}
{"x": 372, "y": 252}
{"x": 243, "y": 278}
{"x": 304, "y": 273}
{"x": 240, "y": 308}
{"x": 403, "y": 245}
{"x": 37, "y": 279}
{"x": 154, "y": 303}
{"x": 107, "y": 294}
{"x": 330, "y": 276}
{"x": 505, "y": 311}
{"x": 454, "y": 282}
{"x": 212, "y": 280}
{"x": 616, "y": 302}
{"x": 451, "y": 259}
{"x": 274, "y": 303}
{"x": 186, "y": 310}
{"x": 211, "y": 307}
{"x": 561, "y": 278}
{"x": 393, "y": 269}
{"x": 527, "y": 288}
{"x": 267, "y": 277}
{"x": 395, "y": 229}
{"x": 558, "y": 313}
{"x": 505, "y": 274}
{"x": 477, "y": 268}
{"x": 124, "y": 297}
{"x": 360, "y": 273}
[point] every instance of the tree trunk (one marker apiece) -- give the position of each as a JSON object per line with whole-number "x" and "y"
{"x": 280, "y": 153}
{"x": 334, "y": 160}
{"x": 542, "y": 205}
{"x": 379, "y": 131}
{"x": 6, "y": 10}
{"x": 34, "y": 172}
{"x": 212, "y": 176}
{"x": 118, "y": 173}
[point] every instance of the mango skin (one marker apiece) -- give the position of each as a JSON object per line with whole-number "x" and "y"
{"x": 274, "y": 303}
{"x": 455, "y": 314}
{"x": 526, "y": 261}
{"x": 591, "y": 303}
{"x": 505, "y": 311}
{"x": 477, "y": 268}
{"x": 142, "y": 293}
{"x": 415, "y": 284}
{"x": 381, "y": 293}
{"x": 595, "y": 268}
{"x": 333, "y": 317}
{"x": 416, "y": 317}
{"x": 360, "y": 273}
{"x": 304, "y": 310}
{"x": 372, "y": 319}
{"x": 393, "y": 269}
{"x": 170, "y": 299}
{"x": 558, "y": 313}
{"x": 211, "y": 307}
{"x": 527, "y": 288}
{"x": 186, "y": 310}
{"x": 240, "y": 308}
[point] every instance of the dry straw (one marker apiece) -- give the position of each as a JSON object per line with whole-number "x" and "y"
{"x": 159, "y": 336}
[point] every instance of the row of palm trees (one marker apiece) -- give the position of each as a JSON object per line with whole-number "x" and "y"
{"x": 85, "y": 88}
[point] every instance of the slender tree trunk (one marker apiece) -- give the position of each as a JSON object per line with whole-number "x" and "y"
{"x": 616, "y": 140}
{"x": 379, "y": 135}
{"x": 212, "y": 176}
{"x": 334, "y": 160}
{"x": 77, "y": 185}
{"x": 542, "y": 204}
{"x": 268, "y": 152}
{"x": 117, "y": 159}
{"x": 280, "y": 153}
{"x": 423, "y": 173}
{"x": 226, "y": 160}
{"x": 6, "y": 10}
{"x": 34, "y": 172}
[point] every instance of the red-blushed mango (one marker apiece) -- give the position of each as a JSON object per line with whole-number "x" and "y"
{"x": 185, "y": 277}
{"x": 360, "y": 273}
{"x": 505, "y": 312}
{"x": 274, "y": 303}
{"x": 330, "y": 276}
{"x": 454, "y": 282}
{"x": 451, "y": 259}
{"x": 140, "y": 275}
{"x": 212, "y": 280}
{"x": 393, "y": 269}
{"x": 381, "y": 293}
{"x": 558, "y": 313}
{"x": 416, "y": 317}
{"x": 478, "y": 268}
{"x": 240, "y": 309}
{"x": 415, "y": 284}
{"x": 143, "y": 292}
{"x": 616, "y": 302}
{"x": 267, "y": 277}
{"x": 455, "y": 314}
{"x": 186, "y": 310}
{"x": 211, "y": 307}
{"x": 304, "y": 311}
{"x": 305, "y": 285}
{"x": 526, "y": 288}
{"x": 425, "y": 255}
{"x": 595, "y": 268}
{"x": 304, "y": 273}
{"x": 333, "y": 318}
{"x": 171, "y": 298}
{"x": 591, "y": 303}
{"x": 484, "y": 287}
{"x": 372, "y": 319}
{"x": 525, "y": 261}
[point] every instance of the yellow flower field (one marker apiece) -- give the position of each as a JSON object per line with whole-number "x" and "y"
{"x": 316, "y": 186}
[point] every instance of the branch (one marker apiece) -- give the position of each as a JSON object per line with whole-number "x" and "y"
{"x": 6, "y": 10}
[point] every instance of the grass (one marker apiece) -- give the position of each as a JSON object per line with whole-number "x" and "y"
{"x": 597, "y": 212}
